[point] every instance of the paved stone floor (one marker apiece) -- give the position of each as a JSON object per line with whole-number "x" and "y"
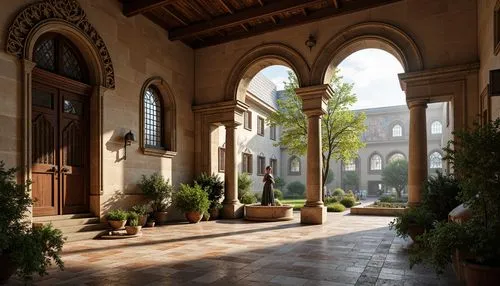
{"x": 347, "y": 250}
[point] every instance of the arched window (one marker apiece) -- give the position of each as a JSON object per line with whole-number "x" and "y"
{"x": 436, "y": 127}
{"x": 436, "y": 160}
{"x": 397, "y": 130}
{"x": 294, "y": 166}
{"x": 158, "y": 122}
{"x": 396, "y": 156}
{"x": 152, "y": 119}
{"x": 350, "y": 165}
{"x": 375, "y": 162}
{"x": 56, "y": 54}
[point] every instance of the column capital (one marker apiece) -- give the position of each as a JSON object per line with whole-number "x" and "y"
{"x": 417, "y": 103}
{"x": 231, "y": 124}
{"x": 315, "y": 98}
{"x": 28, "y": 65}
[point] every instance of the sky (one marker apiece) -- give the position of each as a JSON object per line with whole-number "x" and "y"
{"x": 373, "y": 72}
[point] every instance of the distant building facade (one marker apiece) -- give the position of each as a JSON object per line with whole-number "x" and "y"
{"x": 386, "y": 138}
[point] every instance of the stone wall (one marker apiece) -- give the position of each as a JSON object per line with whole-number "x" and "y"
{"x": 139, "y": 50}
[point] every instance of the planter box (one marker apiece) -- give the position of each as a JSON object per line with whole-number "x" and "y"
{"x": 256, "y": 212}
{"x": 377, "y": 211}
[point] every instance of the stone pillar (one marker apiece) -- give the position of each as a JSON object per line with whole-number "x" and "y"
{"x": 232, "y": 208}
{"x": 314, "y": 104}
{"x": 417, "y": 164}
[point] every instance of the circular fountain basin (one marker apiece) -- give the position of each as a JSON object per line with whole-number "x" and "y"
{"x": 256, "y": 212}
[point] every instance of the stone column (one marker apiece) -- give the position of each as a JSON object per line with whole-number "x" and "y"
{"x": 314, "y": 104}
{"x": 232, "y": 208}
{"x": 417, "y": 164}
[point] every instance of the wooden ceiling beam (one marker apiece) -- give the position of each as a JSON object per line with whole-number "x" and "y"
{"x": 346, "y": 8}
{"x": 140, "y": 6}
{"x": 239, "y": 17}
{"x": 175, "y": 16}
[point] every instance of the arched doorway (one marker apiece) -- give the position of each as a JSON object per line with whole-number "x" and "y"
{"x": 60, "y": 132}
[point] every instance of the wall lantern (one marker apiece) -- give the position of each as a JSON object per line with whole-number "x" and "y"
{"x": 311, "y": 42}
{"x": 129, "y": 138}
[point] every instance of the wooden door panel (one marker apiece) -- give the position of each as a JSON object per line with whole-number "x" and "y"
{"x": 44, "y": 202}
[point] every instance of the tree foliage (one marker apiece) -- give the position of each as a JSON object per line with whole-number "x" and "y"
{"x": 350, "y": 180}
{"x": 341, "y": 127}
{"x": 395, "y": 175}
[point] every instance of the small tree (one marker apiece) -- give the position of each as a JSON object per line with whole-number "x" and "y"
{"x": 330, "y": 177}
{"x": 350, "y": 180}
{"x": 395, "y": 175}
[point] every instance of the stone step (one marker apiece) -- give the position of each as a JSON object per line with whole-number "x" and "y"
{"x": 86, "y": 235}
{"x": 67, "y": 230}
{"x": 45, "y": 219}
{"x": 71, "y": 222}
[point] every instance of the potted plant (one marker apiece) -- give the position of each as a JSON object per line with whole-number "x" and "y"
{"x": 151, "y": 222}
{"x": 23, "y": 248}
{"x": 213, "y": 185}
{"x": 142, "y": 212}
{"x": 159, "y": 191}
{"x": 117, "y": 218}
{"x": 133, "y": 226}
{"x": 413, "y": 222}
{"x": 193, "y": 201}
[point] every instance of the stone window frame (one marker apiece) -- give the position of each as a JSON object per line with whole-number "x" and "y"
{"x": 248, "y": 158}
{"x": 496, "y": 28}
{"x": 351, "y": 162}
{"x": 391, "y": 130}
{"x": 399, "y": 132}
{"x": 294, "y": 173}
{"x": 430, "y": 159}
{"x": 168, "y": 117}
{"x": 222, "y": 159}
{"x": 393, "y": 154}
{"x": 372, "y": 170}
{"x": 434, "y": 127}
{"x": 247, "y": 120}
{"x": 274, "y": 165}
{"x": 261, "y": 165}
{"x": 261, "y": 125}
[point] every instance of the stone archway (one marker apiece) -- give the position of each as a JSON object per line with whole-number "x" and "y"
{"x": 362, "y": 36}
{"x": 259, "y": 58}
{"x": 65, "y": 17}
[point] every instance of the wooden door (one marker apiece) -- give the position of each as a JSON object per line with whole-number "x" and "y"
{"x": 44, "y": 132}
{"x": 74, "y": 152}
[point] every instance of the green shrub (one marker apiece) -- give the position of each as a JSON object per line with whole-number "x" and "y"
{"x": 117, "y": 214}
{"x": 158, "y": 190}
{"x": 133, "y": 219}
{"x": 213, "y": 185}
{"x": 278, "y": 194}
{"x": 296, "y": 189}
{"x": 348, "y": 201}
{"x": 140, "y": 209}
{"x": 279, "y": 183}
{"x": 336, "y": 207}
{"x": 387, "y": 199}
{"x": 440, "y": 194}
{"x": 331, "y": 200}
{"x": 132, "y": 215}
{"x": 413, "y": 216}
{"x": 191, "y": 199}
{"x": 31, "y": 249}
{"x": 248, "y": 198}
{"x": 388, "y": 205}
{"x": 338, "y": 192}
{"x": 244, "y": 183}
{"x": 278, "y": 203}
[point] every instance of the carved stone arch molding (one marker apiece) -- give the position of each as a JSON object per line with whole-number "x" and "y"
{"x": 366, "y": 35}
{"x": 259, "y": 58}
{"x": 67, "y": 17}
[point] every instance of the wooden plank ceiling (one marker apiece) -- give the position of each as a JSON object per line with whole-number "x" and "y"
{"x": 202, "y": 23}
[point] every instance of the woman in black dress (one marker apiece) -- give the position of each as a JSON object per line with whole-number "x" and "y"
{"x": 268, "y": 194}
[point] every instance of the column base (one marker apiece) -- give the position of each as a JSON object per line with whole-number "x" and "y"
{"x": 232, "y": 210}
{"x": 313, "y": 215}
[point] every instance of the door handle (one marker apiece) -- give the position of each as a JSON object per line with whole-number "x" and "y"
{"x": 53, "y": 169}
{"x": 64, "y": 169}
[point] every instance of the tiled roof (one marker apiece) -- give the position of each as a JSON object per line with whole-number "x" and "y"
{"x": 264, "y": 89}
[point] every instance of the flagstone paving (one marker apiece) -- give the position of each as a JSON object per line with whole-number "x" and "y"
{"x": 347, "y": 250}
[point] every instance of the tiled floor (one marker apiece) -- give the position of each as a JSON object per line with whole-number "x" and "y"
{"x": 347, "y": 250}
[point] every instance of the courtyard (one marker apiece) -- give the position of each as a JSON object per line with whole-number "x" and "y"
{"x": 346, "y": 250}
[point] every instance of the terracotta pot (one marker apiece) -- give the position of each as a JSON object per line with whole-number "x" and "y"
{"x": 117, "y": 224}
{"x": 7, "y": 268}
{"x": 160, "y": 217}
{"x": 214, "y": 214}
{"x": 133, "y": 230}
{"x": 415, "y": 230}
{"x": 150, "y": 224}
{"x": 481, "y": 275}
{"x": 193, "y": 217}
{"x": 143, "y": 219}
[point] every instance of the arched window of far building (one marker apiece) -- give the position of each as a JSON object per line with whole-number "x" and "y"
{"x": 397, "y": 130}
{"x": 436, "y": 160}
{"x": 375, "y": 162}
{"x": 396, "y": 156}
{"x": 294, "y": 166}
{"x": 350, "y": 165}
{"x": 436, "y": 127}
